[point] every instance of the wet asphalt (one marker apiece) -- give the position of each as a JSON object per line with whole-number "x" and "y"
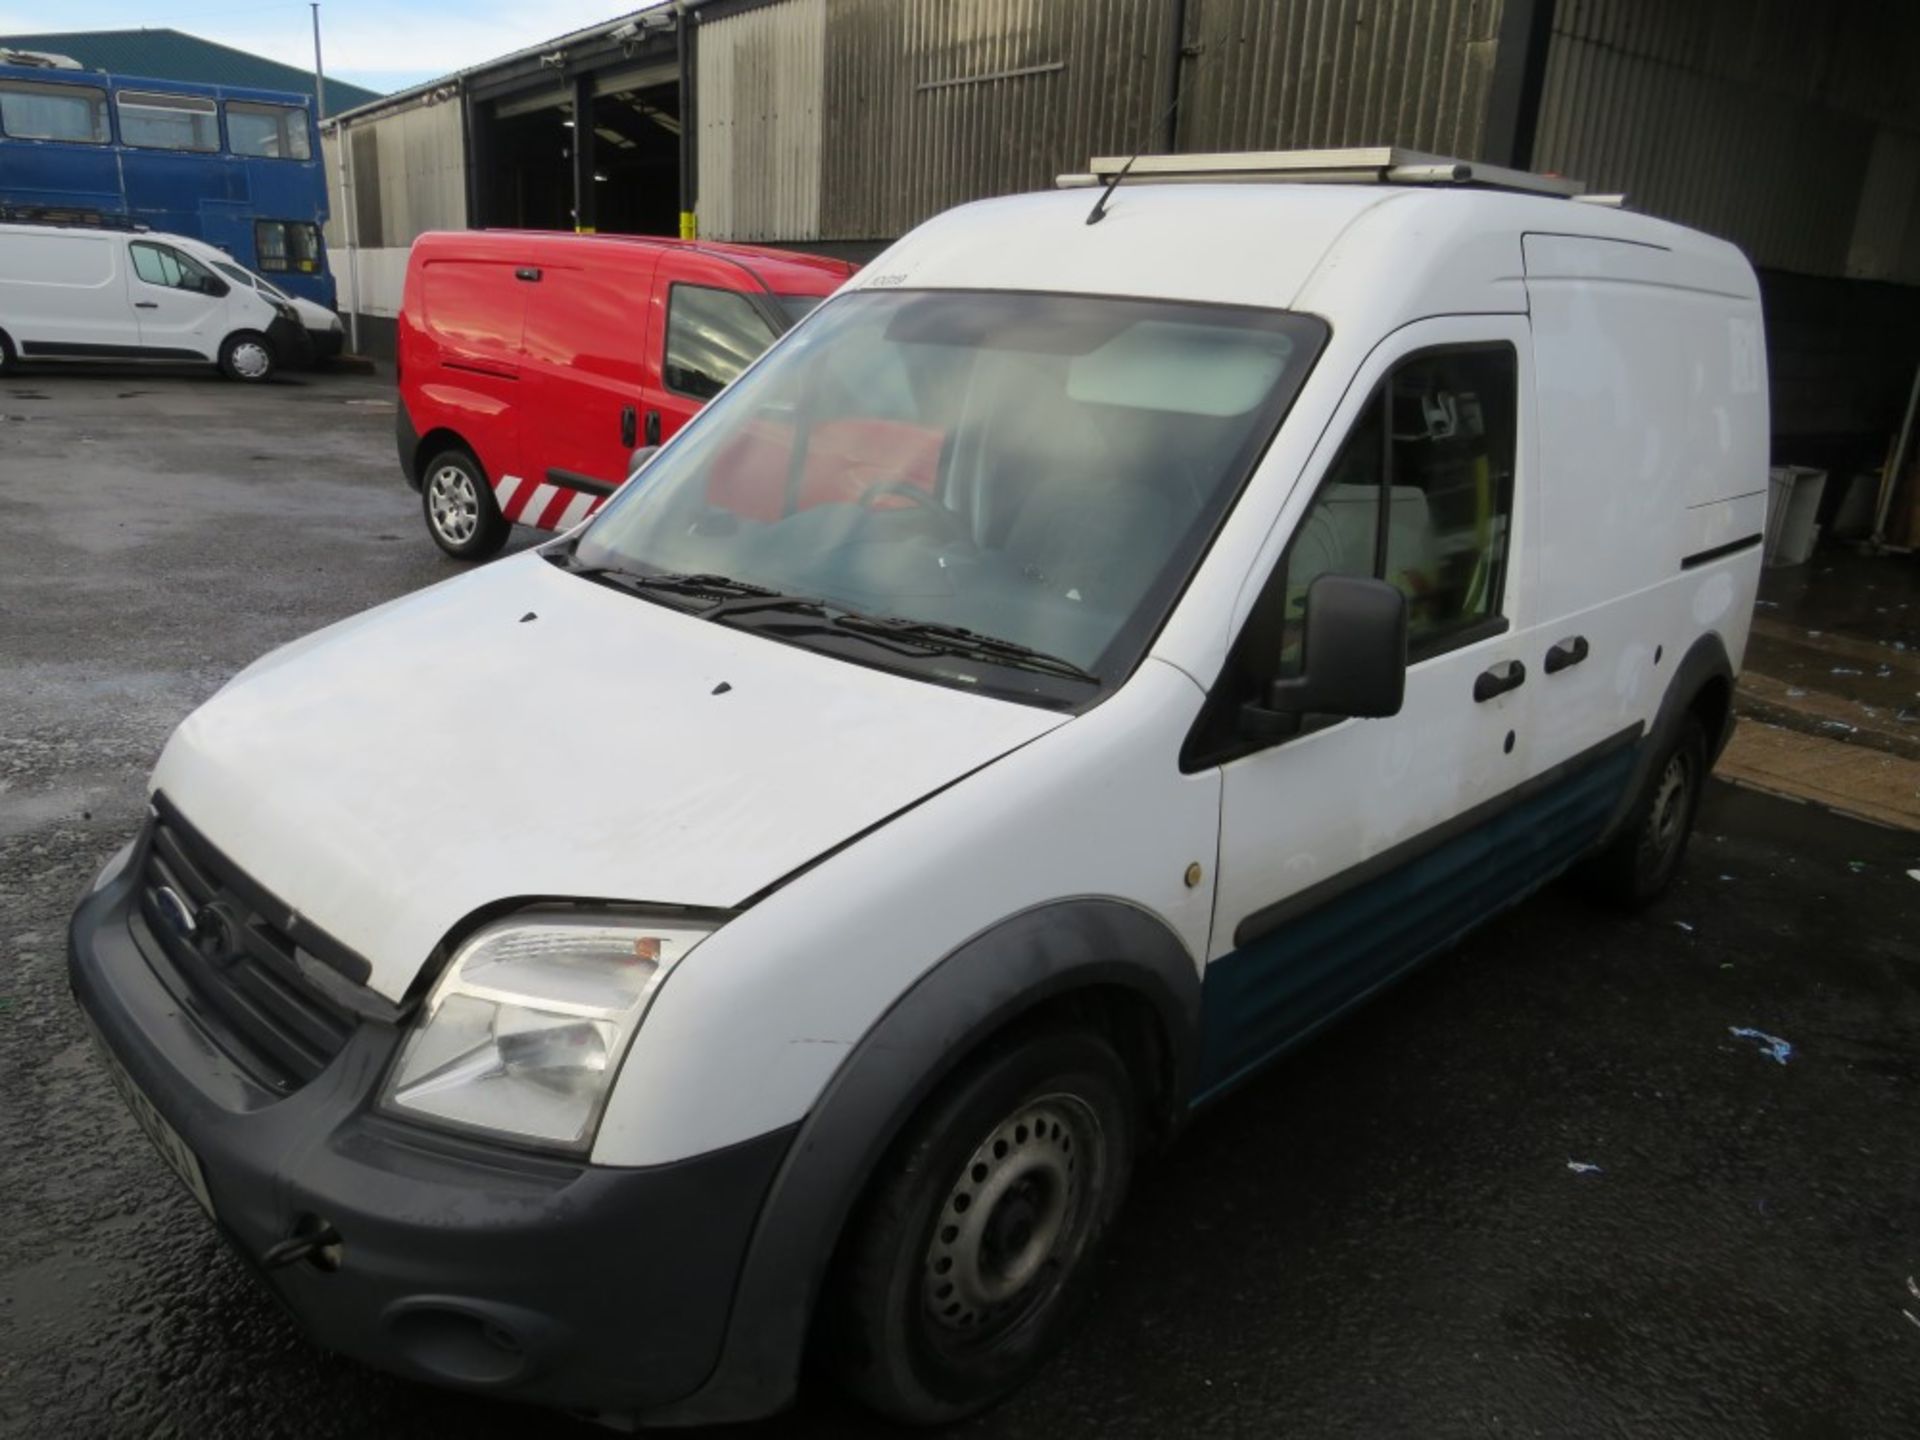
{"x": 1386, "y": 1234}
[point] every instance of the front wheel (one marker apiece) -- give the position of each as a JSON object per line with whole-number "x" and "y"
{"x": 1640, "y": 862}
{"x": 247, "y": 357}
{"x": 462, "y": 515}
{"x": 960, "y": 1273}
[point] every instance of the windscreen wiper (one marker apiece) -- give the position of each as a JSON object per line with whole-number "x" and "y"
{"x": 720, "y": 593}
{"x": 957, "y": 640}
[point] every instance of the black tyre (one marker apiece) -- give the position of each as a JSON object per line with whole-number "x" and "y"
{"x": 462, "y": 515}
{"x": 247, "y": 356}
{"x": 1640, "y": 862}
{"x": 962, "y": 1268}
{"x": 7, "y": 356}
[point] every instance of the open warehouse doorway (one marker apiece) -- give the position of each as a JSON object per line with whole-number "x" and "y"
{"x": 539, "y": 167}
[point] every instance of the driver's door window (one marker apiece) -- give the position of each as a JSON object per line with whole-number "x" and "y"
{"x": 160, "y": 265}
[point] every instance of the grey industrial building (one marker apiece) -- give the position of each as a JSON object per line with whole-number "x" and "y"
{"x": 1788, "y": 126}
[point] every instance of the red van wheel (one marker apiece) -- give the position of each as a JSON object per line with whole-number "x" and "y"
{"x": 462, "y": 515}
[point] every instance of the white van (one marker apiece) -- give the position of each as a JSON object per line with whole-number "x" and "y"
{"x": 325, "y": 335}
{"x": 80, "y": 293}
{"x": 772, "y": 918}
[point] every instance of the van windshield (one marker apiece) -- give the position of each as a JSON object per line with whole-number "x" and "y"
{"x": 1039, "y": 470}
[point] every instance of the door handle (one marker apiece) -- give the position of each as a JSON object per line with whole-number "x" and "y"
{"x": 146, "y": 304}
{"x": 528, "y": 273}
{"x": 1570, "y": 651}
{"x": 628, "y": 425}
{"x": 1498, "y": 681}
{"x": 653, "y": 427}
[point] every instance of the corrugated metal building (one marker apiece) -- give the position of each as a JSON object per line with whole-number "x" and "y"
{"x": 1788, "y": 127}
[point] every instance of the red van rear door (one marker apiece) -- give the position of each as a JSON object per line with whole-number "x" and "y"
{"x": 583, "y": 377}
{"x": 709, "y": 320}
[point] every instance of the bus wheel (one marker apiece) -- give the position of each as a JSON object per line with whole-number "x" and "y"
{"x": 462, "y": 515}
{"x": 247, "y": 356}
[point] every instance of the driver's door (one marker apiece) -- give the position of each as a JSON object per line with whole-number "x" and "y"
{"x": 1352, "y": 849}
{"x": 180, "y": 305}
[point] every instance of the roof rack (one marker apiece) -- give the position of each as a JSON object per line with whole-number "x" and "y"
{"x": 1372, "y": 165}
{"x": 68, "y": 217}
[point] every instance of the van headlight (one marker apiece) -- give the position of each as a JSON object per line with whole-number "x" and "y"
{"x": 525, "y": 1031}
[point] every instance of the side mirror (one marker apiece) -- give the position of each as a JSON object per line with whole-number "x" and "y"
{"x": 637, "y": 461}
{"x": 1353, "y": 662}
{"x": 213, "y": 285}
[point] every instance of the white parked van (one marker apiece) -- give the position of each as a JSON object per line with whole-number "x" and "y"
{"x": 325, "y": 335}
{"x": 772, "y": 918}
{"x": 81, "y": 293}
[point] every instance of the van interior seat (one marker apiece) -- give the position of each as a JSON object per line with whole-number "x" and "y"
{"x": 751, "y": 474}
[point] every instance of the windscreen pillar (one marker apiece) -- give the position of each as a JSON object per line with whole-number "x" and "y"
{"x": 583, "y": 207}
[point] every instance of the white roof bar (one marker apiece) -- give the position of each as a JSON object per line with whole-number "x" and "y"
{"x": 1373, "y": 165}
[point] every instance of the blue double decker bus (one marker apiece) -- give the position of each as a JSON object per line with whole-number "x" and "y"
{"x": 237, "y": 168}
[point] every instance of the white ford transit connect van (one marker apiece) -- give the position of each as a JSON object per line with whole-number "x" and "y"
{"x": 79, "y": 293}
{"x": 773, "y": 917}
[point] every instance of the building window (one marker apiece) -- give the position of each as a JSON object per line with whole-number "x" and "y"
{"x": 168, "y": 122}
{"x": 712, "y": 335}
{"x": 276, "y": 132}
{"x": 32, "y": 111}
{"x": 287, "y": 245}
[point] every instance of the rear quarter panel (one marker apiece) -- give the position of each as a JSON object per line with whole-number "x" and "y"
{"x": 459, "y": 351}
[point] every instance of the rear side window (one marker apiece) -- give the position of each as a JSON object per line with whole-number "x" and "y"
{"x": 32, "y": 111}
{"x": 281, "y": 246}
{"x": 276, "y": 132}
{"x": 712, "y": 335}
{"x": 157, "y": 121}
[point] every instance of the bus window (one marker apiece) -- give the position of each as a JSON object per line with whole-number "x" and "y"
{"x": 168, "y": 122}
{"x": 277, "y": 132}
{"x": 287, "y": 245}
{"x": 32, "y": 111}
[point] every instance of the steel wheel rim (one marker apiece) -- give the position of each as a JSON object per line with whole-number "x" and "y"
{"x": 453, "y": 504}
{"x": 1667, "y": 817}
{"x": 1013, "y": 1213}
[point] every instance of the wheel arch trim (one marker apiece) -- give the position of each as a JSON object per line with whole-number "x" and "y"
{"x": 1705, "y": 663}
{"x": 1006, "y": 972}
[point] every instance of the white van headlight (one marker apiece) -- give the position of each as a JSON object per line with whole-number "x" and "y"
{"x": 525, "y": 1031}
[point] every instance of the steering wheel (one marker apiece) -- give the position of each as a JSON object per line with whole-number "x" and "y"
{"x": 954, "y": 524}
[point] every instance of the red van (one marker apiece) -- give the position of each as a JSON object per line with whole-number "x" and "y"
{"x": 532, "y": 364}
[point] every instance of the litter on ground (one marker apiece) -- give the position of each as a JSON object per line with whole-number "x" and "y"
{"x": 1776, "y": 1049}
{"x": 1582, "y": 1167}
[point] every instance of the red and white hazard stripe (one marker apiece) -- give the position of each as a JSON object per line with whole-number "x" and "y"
{"x": 545, "y": 507}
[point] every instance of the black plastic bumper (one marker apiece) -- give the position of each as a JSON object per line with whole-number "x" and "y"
{"x": 327, "y": 344}
{"x": 558, "y": 1282}
{"x": 292, "y": 345}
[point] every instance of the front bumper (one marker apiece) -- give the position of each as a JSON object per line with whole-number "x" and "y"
{"x": 292, "y": 343}
{"x": 327, "y": 344}
{"x": 473, "y": 1265}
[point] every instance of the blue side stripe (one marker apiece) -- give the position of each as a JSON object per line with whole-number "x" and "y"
{"x": 1266, "y": 997}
